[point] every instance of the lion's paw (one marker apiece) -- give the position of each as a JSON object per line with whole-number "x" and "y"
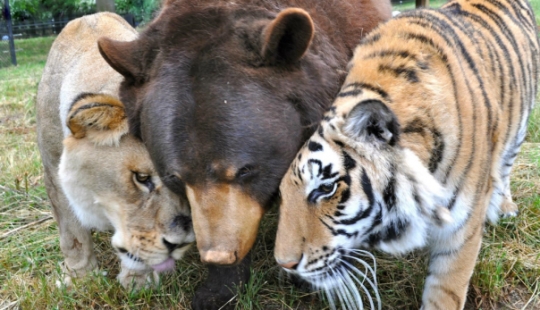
{"x": 137, "y": 279}
{"x": 68, "y": 274}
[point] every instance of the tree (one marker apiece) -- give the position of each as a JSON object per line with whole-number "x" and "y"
{"x": 105, "y": 5}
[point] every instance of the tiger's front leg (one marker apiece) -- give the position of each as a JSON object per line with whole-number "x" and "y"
{"x": 451, "y": 266}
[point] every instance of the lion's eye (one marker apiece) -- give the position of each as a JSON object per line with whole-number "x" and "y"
{"x": 326, "y": 188}
{"x": 144, "y": 179}
{"x": 141, "y": 177}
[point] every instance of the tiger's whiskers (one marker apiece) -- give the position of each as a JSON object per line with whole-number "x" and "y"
{"x": 341, "y": 283}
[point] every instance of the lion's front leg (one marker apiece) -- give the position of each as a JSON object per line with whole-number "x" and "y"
{"x": 75, "y": 241}
{"x": 136, "y": 275}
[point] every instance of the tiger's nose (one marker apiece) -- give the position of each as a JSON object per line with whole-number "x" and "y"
{"x": 291, "y": 265}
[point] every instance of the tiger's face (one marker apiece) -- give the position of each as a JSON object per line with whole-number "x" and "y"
{"x": 353, "y": 186}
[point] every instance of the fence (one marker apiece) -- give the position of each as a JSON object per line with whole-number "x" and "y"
{"x": 41, "y": 28}
{"x": 30, "y": 29}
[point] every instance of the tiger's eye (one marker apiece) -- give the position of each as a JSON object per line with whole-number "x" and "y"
{"x": 326, "y": 188}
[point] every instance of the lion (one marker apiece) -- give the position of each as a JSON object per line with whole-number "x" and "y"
{"x": 97, "y": 175}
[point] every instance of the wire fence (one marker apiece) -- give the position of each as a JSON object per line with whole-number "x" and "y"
{"x": 29, "y": 29}
{"x": 43, "y": 28}
{"x": 34, "y": 28}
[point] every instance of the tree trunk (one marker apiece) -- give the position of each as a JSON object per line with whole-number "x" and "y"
{"x": 422, "y": 3}
{"x": 105, "y": 5}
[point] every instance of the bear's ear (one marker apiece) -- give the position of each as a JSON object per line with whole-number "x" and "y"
{"x": 124, "y": 57}
{"x": 372, "y": 122}
{"x": 287, "y": 38}
{"x": 100, "y": 118}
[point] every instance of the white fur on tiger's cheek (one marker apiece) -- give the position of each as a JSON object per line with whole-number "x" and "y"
{"x": 313, "y": 166}
{"x": 445, "y": 215}
{"x": 431, "y": 192}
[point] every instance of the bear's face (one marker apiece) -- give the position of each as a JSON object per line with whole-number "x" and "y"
{"x": 223, "y": 97}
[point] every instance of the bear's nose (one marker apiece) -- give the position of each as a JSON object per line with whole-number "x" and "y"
{"x": 291, "y": 265}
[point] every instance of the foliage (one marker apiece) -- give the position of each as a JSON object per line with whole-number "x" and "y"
{"x": 142, "y": 10}
{"x": 46, "y": 9}
{"x": 21, "y": 10}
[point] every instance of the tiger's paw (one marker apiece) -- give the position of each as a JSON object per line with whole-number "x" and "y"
{"x": 137, "y": 279}
{"x": 508, "y": 208}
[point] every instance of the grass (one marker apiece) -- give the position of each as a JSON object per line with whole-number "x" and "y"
{"x": 507, "y": 275}
{"x": 405, "y": 5}
{"x": 536, "y": 8}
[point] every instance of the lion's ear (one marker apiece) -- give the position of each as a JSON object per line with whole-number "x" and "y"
{"x": 100, "y": 118}
{"x": 287, "y": 38}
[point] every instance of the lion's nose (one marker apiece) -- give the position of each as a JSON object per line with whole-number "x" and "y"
{"x": 183, "y": 221}
{"x": 173, "y": 246}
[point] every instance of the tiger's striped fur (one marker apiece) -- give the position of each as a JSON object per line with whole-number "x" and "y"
{"x": 417, "y": 148}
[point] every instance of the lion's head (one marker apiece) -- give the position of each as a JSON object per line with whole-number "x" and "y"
{"x": 111, "y": 183}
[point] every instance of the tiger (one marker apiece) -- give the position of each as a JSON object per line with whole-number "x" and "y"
{"x": 416, "y": 150}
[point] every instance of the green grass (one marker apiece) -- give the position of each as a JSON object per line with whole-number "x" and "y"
{"x": 536, "y": 8}
{"x": 411, "y": 4}
{"x": 29, "y": 52}
{"x": 507, "y": 275}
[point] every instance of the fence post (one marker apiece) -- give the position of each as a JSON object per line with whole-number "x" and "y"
{"x": 7, "y": 16}
{"x": 422, "y": 3}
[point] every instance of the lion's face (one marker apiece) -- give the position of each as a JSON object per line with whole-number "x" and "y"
{"x": 111, "y": 183}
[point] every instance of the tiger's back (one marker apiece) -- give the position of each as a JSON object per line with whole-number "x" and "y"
{"x": 435, "y": 107}
{"x": 478, "y": 87}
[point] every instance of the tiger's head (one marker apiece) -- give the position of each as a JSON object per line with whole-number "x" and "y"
{"x": 352, "y": 185}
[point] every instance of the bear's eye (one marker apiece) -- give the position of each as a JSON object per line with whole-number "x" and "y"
{"x": 326, "y": 188}
{"x": 245, "y": 171}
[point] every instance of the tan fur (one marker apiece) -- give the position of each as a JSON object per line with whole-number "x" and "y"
{"x": 223, "y": 218}
{"x": 461, "y": 91}
{"x": 91, "y": 178}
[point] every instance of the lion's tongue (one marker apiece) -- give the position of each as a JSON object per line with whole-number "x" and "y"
{"x": 167, "y": 265}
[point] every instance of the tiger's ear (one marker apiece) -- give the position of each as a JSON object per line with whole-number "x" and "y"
{"x": 100, "y": 118}
{"x": 372, "y": 122}
{"x": 287, "y": 38}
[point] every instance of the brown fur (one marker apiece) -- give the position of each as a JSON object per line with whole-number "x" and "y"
{"x": 233, "y": 88}
{"x": 172, "y": 30}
